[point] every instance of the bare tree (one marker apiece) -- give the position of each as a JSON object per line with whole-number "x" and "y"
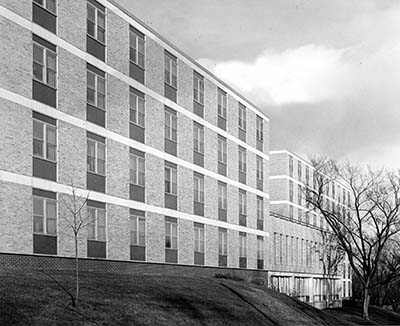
{"x": 76, "y": 219}
{"x": 364, "y": 228}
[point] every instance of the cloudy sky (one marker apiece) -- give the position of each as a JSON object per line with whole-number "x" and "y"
{"x": 326, "y": 72}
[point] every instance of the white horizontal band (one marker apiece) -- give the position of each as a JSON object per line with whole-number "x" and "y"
{"x": 48, "y": 110}
{"x": 36, "y": 29}
{"x": 61, "y": 188}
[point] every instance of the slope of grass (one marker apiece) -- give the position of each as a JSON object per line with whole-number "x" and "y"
{"x": 32, "y": 298}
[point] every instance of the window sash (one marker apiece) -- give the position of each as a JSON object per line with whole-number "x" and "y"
{"x": 44, "y": 215}
{"x": 222, "y": 104}
{"x": 171, "y": 235}
{"x": 44, "y": 65}
{"x": 96, "y": 224}
{"x": 171, "y": 183}
{"x": 260, "y": 249}
{"x": 198, "y": 139}
{"x": 137, "y": 49}
{"x": 242, "y": 161}
{"x": 242, "y": 203}
{"x": 242, "y": 246}
{"x": 96, "y": 90}
{"x": 260, "y": 169}
{"x": 137, "y": 109}
{"x": 260, "y": 209}
{"x": 171, "y": 132}
{"x": 222, "y": 243}
{"x": 138, "y": 230}
{"x": 96, "y": 157}
{"x": 222, "y": 156}
{"x": 260, "y": 129}
{"x": 199, "y": 239}
{"x": 198, "y": 89}
{"x": 44, "y": 140}
{"x": 199, "y": 190}
{"x": 170, "y": 71}
{"x": 137, "y": 170}
{"x": 49, "y": 5}
{"x": 222, "y": 196}
{"x": 242, "y": 118}
{"x": 96, "y": 19}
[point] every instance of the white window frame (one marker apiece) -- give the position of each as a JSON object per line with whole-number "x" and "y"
{"x": 242, "y": 160}
{"x": 96, "y": 156}
{"x": 242, "y": 203}
{"x": 260, "y": 129}
{"x": 198, "y": 88}
{"x": 139, "y": 160}
{"x": 137, "y": 107}
{"x": 223, "y": 243}
{"x": 198, "y": 138}
{"x": 96, "y": 23}
{"x": 46, "y": 52}
{"x": 44, "y": 5}
{"x": 95, "y": 90}
{"x": 136, "y": 221}
{"x": 260, "y": 208}
{"x": 260, "y": 168}
{"x": 171, "y": 176}
{"x": 171, "y": 70}
{"x": 260, "y": 248}
{"x": 173, "y": 239}
{"x": 198, "y": 189}
{"x": 242, "y": 117}
{"x": 222, "y": 196}
{"x": 171, "y": 125}
{"x": 291, "y": 196}
{"x": 242, "y": 246}
{"x": 199, "y": 239}
{"x": 44, "y": 218}
{"x": 94, "y": 223}
{"x": 222, "y": 103}
{"x": 44, "y": 141}
{"x": 222, "y": 150}
{"x": 139, "y": 43}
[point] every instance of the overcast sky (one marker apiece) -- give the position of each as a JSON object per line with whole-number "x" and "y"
{"x": 326, "y": 72}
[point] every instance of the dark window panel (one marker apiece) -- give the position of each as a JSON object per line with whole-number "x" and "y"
{"x": 171, "y": 256}
{"x": 242, "y": 220}
{"x": 260, "y": 225}
{"x": 260, "y": 146}
{"x": 242, "y": 177}
{"x": 136, "y": 212}
{"x": 136, "y": 132}
{"x": 198, "y": 159}
{"x": 170, "y": 147}
{"x": 44, "y": 18}
{"x": 44, "y": 118}
{"x": 44, "y": 93}
{"x": 222, "y": 214}
{"x": 96, "y": 249}
{"x": 170, "y": 92}
{"x": 222, "y": 260}
{"x": 222, "y": 169}
{"x": 198, "y": 208}
{"x": 260, "y": 264}
{"x": 170, "y": 201}
{"x": 44, "y": 244}
{"x": 97, "y": 204}
{"x": 242, "y": 135}
{"x": 136, "y": 72}
{"x": 138, "y": 253}
{"x": 198, "y": 109}
{"x": 95, "y": 182}
{"x": 136, "y": 193}
{"x": 243, "y": 262}
{"x": 95, "y": 48}
{"x": 44, "y": 169}
{"x": 221, "y": 123}
{"x": 260, "y": 185}
{"x": 95, "y": 115}
{"x": 44, "y": 193}
{"x": 199, "y": 258}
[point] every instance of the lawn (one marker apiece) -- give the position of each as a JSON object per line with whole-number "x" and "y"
{"x": 32, "y": 298}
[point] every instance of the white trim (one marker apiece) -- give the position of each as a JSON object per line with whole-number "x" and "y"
{"x": 92, "y": 195}
{"x": 179, "y": 55}
{"x": 48, "y": 110}
{"x": 36, "y": 29}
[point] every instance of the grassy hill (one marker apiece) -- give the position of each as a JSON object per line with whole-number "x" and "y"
{"x": 32, "y": 298}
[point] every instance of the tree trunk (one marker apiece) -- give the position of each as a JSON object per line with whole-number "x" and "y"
{"x": 366, "y": 298}
{"x": 76, "y": 273}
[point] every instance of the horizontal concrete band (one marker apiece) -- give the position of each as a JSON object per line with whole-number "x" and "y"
{"x": 65, "y": 189}
{"x": 48, "y": 110}
{"x": 36, "y": 29}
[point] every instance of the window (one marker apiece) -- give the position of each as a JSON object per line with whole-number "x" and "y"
{"x": 222, "y": 157}
{"x": 242, "y": 117}
{"x": 96, "y": 156}
{"x": 198, "y": 188}
{"x": 96, "y": 223}
{"x": 198, "y": 138}
{"x": 242, "y": 245}
{"x": 44, "y": 62}
{"x": 299, "y": 195}
{"x": 260, "y": 213}
{"x": 170, "y": 70}
{"x": 291, "y": 166}
{"x": 49, "y": 5}
{"x": 242, "y": 160}
{"x": 96, "y": 22}
{"x": 96, "y": 89}
{"x": 171, "y": 125}
{"x": 44, "y": 215}
{"x": 222, "y": 103}
{"x": 138, "y": 233}
{"x": 291, "y": 191}
{"x": 260, "y": 168}
{"x": 198, "y": 88}
{"x": 44, "y": 140}
{"x": 260, "y": 129}
{"x": 242, "y": 202}
{"x": 260, "y": 248}
{"x": 291, "y": 212}
{"x": 137, "y": 107}
{"x": 171, "y": 234}
{"x": 171, "y": 183}
{"x": 222, "y": 242}
{"x": 136, "y": 47}
{"x": 222, "y": 196}
{"x": 307, "y": 176}
{"x": 299, "y": 171}
{"x": 137, "y": 170}
{"x": 198, "y": 238}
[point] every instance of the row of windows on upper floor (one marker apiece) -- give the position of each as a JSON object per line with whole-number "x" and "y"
{"x": 45, "y": 71}
{"x": 46, "y": 222}
{"x": 45, "y": 166}
{"x": 331, "y": 188}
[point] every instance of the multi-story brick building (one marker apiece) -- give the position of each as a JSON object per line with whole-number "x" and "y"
{"x": 299, "y": 249}
{"x": 175, "y": 161}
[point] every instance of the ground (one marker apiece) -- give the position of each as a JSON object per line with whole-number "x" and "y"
{"x": 33, "y": 298}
